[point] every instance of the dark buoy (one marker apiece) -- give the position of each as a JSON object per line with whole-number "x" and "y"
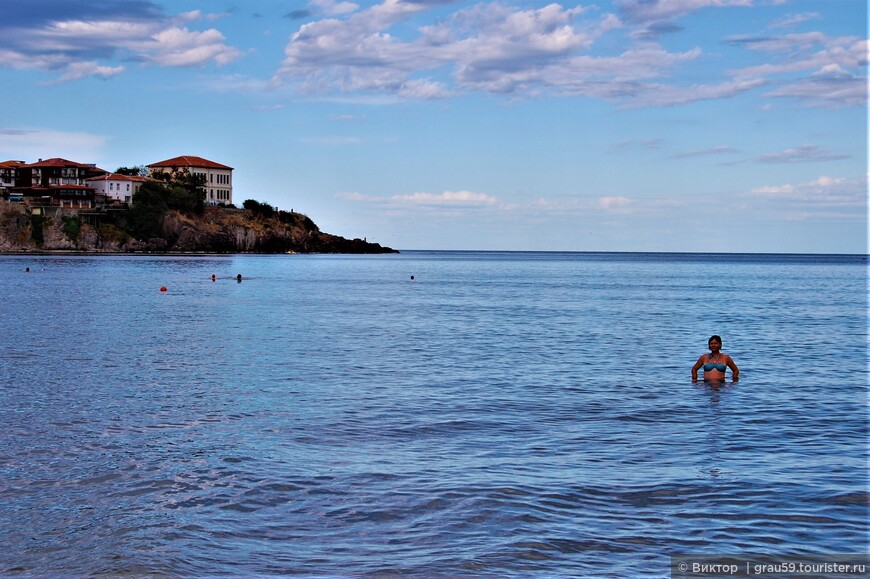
{"x": 163, "y": 288}
{"x": 213, "y": 277}
{"x": 239, "y": 278}
{"x": 27, "y": 269}
{"x": 412, "y": 278}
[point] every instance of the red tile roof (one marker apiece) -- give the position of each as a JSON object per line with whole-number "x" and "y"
{"x": 10, "y": 164}
{"x": 190, "y": 161}
{"x": 118, "y": 177}
{"x": 58, "y": 162}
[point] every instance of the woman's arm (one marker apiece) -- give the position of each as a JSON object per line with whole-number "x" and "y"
{"x": 735, "y": 372}
{"x": 697, "y": 367}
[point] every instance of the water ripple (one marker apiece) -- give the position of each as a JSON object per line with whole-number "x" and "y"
{"x": 328, "y": 418}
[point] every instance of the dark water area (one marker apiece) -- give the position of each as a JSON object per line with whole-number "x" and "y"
{"x": 498, "y": 415}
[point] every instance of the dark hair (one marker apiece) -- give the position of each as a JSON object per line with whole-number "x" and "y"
{"x": 717, "y": 338}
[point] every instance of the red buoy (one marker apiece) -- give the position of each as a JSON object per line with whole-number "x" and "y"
{"x": 163, "y": 288}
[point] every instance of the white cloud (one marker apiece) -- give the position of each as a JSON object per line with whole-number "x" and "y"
{"x": 720, "y": 150}
{"x": 802, "y": 154}
{"x": 182, "y": 47}
{"x": 658, "y": 10}
{"x": 786, "y": 44}
{"x": 423, "y": 89}
{"x": 359, "y": 197}
{"x": 29, "y": 145}
{"x": 190, "y": 16}
{"x": 80, "y": 48}
{"x": 502, "y": 49}
{"x": 661, "y": 94}
{"x": 488, "y": 47}
{"x": 793, "y": 20}
{"x": 831, "y": 67}
{"x": 824, "y": 191}
{"x": 77, "y": 70}
{"x": 618, "y": 202}
{"x": 829, "y": 87}
{"x": 334, "y": 8}
{"x": 453, "y": 198}
{"x": 563, "y": 206}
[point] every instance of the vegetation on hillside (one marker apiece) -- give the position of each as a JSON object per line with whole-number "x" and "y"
{"x": 171, "y": 215}
{"x": 153, "y": 200}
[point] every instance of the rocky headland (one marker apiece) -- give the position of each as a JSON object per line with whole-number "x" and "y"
{"x": 214, "y": 230}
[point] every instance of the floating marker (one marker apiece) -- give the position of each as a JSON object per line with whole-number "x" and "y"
{"x": 163, "y": 288}
{"x": 213, "y": 277}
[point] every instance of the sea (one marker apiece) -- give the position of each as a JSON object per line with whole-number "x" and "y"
{"x": 427, "y": 414}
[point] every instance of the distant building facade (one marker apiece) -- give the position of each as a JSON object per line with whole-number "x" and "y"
{"x": 56, "y": 181}
{"x": 218, "y": 182}
{"x": 116, "y": 187}
{"x": 8, "y": 175}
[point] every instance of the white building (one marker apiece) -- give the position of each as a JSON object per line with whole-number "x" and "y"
{"x": 116, "y": 186}
{"x": 218, "y": 183}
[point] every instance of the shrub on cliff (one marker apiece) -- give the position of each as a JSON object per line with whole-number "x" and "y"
{"x": 259, "y": 209}
{"x": 36, "y": 232}
{"x": 290, "y": 218}
{"x": 72, "y": 226}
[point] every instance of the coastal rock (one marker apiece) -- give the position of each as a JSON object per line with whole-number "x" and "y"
{"x": 216, "y": 230}
{"x": 14, "y": 229}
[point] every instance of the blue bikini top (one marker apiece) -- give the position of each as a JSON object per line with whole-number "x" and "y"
{"x": 712, "y": 366}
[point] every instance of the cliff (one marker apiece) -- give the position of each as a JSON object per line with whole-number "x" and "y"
{"x": 216, "y": 230}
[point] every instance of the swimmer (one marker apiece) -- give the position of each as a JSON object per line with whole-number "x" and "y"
{"x": 239, "y": 278}
{"x": 715, "y": 362}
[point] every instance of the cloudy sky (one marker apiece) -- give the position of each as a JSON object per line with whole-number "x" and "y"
{"x": 611, "y": 125}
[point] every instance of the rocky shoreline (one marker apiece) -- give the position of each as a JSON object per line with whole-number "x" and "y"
{"x": 216, "y": 230}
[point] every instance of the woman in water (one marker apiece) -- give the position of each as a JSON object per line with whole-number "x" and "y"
{"x": 715, "y": 362}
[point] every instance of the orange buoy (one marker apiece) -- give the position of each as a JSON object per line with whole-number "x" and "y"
{"x": 163, "y": 288}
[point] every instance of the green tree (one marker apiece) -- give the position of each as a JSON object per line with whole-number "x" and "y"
{"x": 149, "y": 205}
{"x": 257, "y": 208}
{"x": 193, "y": 183}
{"x": 153, "y": 200}
{"x": 135, "y": 171}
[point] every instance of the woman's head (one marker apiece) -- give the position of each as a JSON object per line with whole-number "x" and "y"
{"x": 714, "y": 341}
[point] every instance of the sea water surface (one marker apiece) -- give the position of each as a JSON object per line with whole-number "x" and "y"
{"x": 498, "y": 415}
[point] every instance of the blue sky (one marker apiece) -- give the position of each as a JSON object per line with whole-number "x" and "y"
{"x": 623, "y": 125}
